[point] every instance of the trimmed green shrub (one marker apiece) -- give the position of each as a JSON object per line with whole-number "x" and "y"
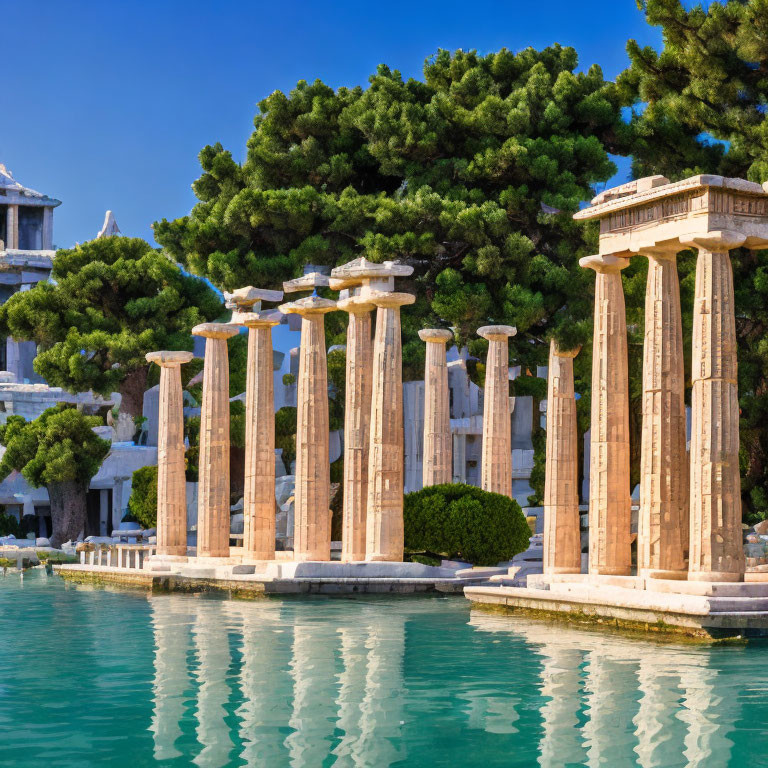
{"x": 143, "y": 502}
{"x": 462, "y": 521}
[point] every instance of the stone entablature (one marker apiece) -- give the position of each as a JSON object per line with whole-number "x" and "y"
{"x": 631, "y": 220}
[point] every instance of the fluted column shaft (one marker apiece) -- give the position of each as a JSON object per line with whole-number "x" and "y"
{"x": 12, "y": 227}
{"x": 259, "y": 490}
{"x": 663, "y": 521}
{"x": 357, "y": 417}
{"x": 496, "y": 470}
{"x": 171, "y": 480}
{"x": 716, "y": 550}
{"x": 312, "y": 516}
{"x": 384, "y": 525}
{"x": 437, "y": 465}
{"x": 562, "y": 537}
{"x": 609, "y": 502}
{"x": 213, "y": 526}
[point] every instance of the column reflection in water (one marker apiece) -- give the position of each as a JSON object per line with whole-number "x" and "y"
{"x": 170, "y": 622}
{"x": 313, "y": 670}
{"x": 638, "y": 703}
{"x": 264, "y": 681}
{"x": 213, "y": 659}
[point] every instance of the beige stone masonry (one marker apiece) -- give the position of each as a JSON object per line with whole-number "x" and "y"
{"x": 213, "y": 526}
{"x": 663, "y": 519}
{"x": 259, "y": 486}
{"x": 496, "y": 470}
{"x": 259, "y": 489}
{"x": 716, "y": 550}
{"x": 357, "y": 416}
{"x": 438, "y": 463}
{"x": 562, "y": 537}
{"x": 312, "y": 515}
{"x": 171, "y": 480}
{"x": 384, "y": 525}
{"x": 609, "y": 499}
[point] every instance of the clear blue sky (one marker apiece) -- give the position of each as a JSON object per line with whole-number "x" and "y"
{"x": 106, "y": 104}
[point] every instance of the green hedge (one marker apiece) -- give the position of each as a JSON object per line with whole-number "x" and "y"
{"x": 462, "y": 521}
{"x": 143, "y": 502}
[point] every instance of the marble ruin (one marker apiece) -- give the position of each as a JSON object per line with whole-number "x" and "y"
{"x": 438, "y": 464}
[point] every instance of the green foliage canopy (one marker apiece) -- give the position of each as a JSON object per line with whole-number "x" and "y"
{"x": 471, "y": 176}
{"x": 110, "y": 301}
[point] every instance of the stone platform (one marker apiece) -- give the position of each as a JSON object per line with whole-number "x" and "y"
{"x": 277, "y": 577}
{"x": 706, "y": 610}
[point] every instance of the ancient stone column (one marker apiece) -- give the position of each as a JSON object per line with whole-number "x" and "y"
{"x": 716, "y": 550}
{"x": 213, "y": 526}
{"x": 609, "y": 500}
{"x": 259, "y": 490}
{"x": 662, "y": 538}
{"x": 437, "y": 466}
{"x": 171, "y": 480}
{"x": 312, "y": 515}
{"x": 357, "y": 417}
{"x": 562, "y": 537}
{"x": 12, "y": 227}
{"x": 496, "y": 469}
{"x": 384, "y": 525}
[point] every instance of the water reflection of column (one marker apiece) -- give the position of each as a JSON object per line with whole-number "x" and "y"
{"x": 606, "y": 738}
{"x": 354, "y": 659}
{"x": 211, "y": 644}
{"x": 381, "y": 711}
{"x": 264, "y": 680}
{"x": 561, "y": 684}
{"x": 170, "y": 621}
{"x": 707, "y": 716}
{"x": 313, "y": 669}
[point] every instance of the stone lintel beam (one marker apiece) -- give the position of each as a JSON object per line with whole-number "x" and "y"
{"x": 213, "y": 524}
{"x": 306, "y": 282}
{"x": 438, "y": 465}
{"x": 496, "y": 468}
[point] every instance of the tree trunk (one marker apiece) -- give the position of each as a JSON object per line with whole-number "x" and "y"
{"x": 68, "y": 511}
{"x": 132, "y": 391}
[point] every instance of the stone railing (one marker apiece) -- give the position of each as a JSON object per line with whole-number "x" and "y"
{"x": 117, "y": 555}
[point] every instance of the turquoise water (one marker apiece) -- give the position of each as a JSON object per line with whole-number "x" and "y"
{"x": 91, "y": 677}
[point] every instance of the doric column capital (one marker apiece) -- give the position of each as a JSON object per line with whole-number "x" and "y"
{"x": 355, "y": 305}
{"x": 215, "y": 330}
{"x": 257, "y": 320}
{"x": 667, "y": 250}
{"x": 390, "y": 300}
{"x": 555, "y": 349}
{"x": 311, "y": 305}
{"x": 497, "y": 332}
{"x": 168, "y": 359}
{"x": 435, "y": 335}
{"x": 604, "y": 262}
{"x": 722, "y": 240}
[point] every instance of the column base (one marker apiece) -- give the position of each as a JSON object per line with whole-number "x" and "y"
{"x": 168, "y": 557}
{"x": 355, "y": 557}
{"x": 310, "y": 557}
{"x": 213, "y": 555}
{"x": 714, "y": 576}
{"x": 253, "y": 557}
{"x": 376, "y": 558}
{"x": 606, "y": 571}
{"x": 659, "y": 573}
{"x": 563, "y": 569}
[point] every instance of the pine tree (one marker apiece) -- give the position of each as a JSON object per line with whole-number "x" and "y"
{"x": 700, "y": 106}
{"x": 471, "y": 176}
{"x": 110, "y": 301}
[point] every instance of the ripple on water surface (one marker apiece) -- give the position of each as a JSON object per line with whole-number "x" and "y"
{"x": 97, "y": 677}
